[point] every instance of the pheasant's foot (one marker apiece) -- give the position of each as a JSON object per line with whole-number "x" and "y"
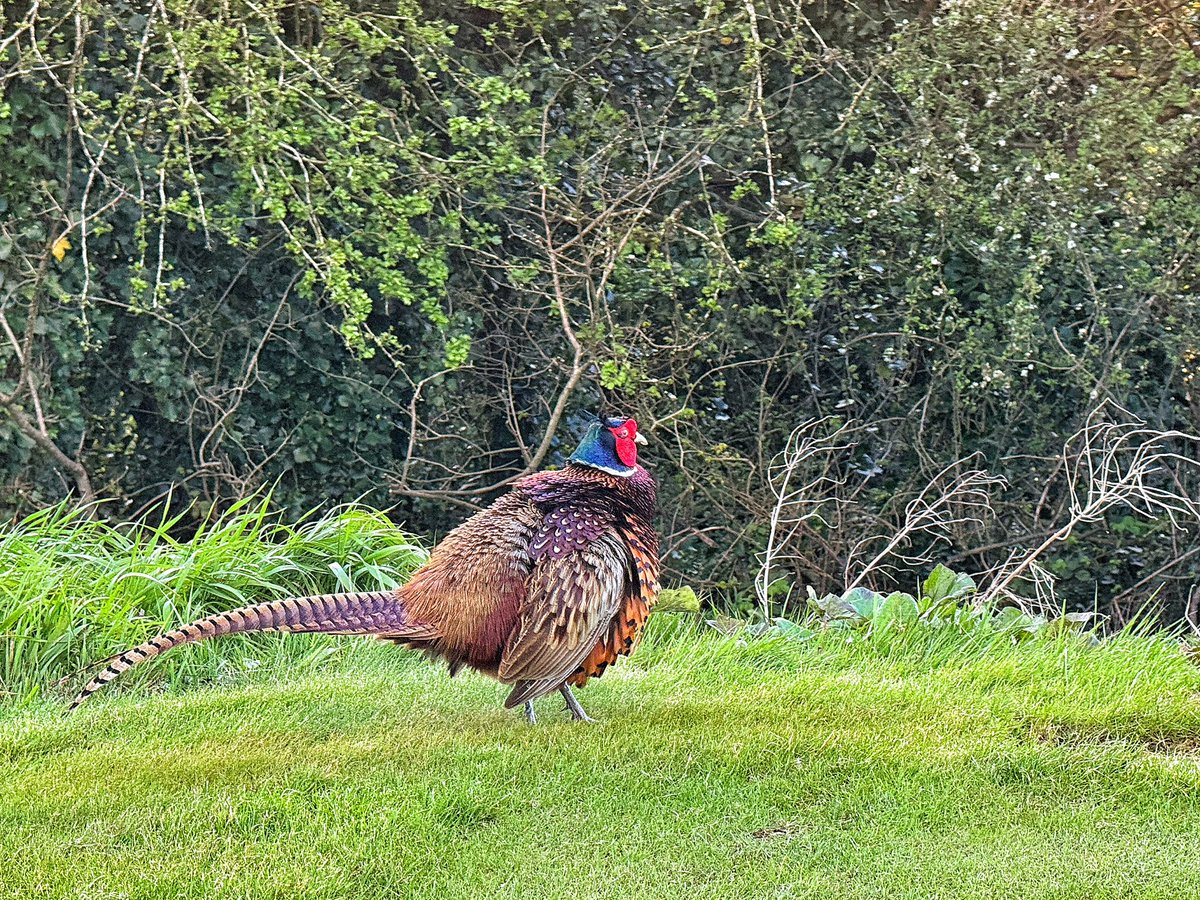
{"x": 573, "y": 706}
{"x": 529, "y": 712}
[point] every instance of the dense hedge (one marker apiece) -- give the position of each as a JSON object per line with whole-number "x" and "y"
{"x": 369, "y": 250}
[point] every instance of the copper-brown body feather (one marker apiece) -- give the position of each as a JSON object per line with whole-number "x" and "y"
{"x": 547, "y": 586}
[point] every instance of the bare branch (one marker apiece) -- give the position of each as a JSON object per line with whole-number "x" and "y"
{"x": 954, "y": 497}
{"x": 810, "y": 454}
{"x": 1113, "y": 464}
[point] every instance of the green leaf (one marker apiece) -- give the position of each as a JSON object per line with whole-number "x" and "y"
{"x": 793, "y": 631}
{"x": 345, "y": 583}
{"x": 682, "y": 599}
{"x": 946, "y": 586}
{"x": 898, "y": 608}
{"x": 1022, "y": 625}
{"x": 863, "y": 602}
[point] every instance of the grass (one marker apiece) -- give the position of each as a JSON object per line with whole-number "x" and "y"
{"x": 911, "y": 764}
{"x": 73, "y": 591}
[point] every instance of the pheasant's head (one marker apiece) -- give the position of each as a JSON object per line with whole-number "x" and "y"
{"x": 610, "y": 445}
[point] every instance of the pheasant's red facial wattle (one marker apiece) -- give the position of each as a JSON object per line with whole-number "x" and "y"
{"x": 626, "y": 436}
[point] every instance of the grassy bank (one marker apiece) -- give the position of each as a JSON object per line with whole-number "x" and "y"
{"x": 73, "y": 591}
{"x": 905, "y": 765}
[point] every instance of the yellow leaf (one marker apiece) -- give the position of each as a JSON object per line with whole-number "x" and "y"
{"x": 60, "y": 248}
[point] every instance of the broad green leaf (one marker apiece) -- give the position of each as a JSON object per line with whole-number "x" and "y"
{"x": 792, "y": 631}
{"x": 898, "y": 608}
{"x": 862, "y": 602}
{"x": 944, "y": 586}
{"x": 682, "y": 599}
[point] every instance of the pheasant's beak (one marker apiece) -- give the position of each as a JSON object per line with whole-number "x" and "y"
{"x": 640, "y": 438}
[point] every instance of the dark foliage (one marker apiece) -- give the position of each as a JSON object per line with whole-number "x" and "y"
{"x": 400, "y": 251}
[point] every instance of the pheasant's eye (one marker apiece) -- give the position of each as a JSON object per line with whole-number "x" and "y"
{"x": 624, "y": 432}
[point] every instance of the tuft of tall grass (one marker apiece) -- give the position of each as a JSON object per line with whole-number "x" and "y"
{"x": 74, "y": 591}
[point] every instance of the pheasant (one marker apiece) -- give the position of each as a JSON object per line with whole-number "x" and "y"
{"x": 542, "y": 590}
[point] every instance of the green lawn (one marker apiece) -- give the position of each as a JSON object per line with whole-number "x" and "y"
{"x": 901, "y": 767}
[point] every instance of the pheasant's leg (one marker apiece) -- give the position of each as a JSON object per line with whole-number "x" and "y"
{"x": 576, "y": 710}
{"x": 529, "y": 712}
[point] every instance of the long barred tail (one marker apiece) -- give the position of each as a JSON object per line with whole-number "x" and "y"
{"x": 380, "y": 613}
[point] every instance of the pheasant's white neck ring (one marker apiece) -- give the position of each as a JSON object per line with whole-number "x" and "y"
{"x": 621, "y": 472}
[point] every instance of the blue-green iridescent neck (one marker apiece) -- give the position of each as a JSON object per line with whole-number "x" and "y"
{"x": 599, "y": 451}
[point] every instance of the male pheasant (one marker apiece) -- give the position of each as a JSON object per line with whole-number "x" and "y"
{"x": 541, "y": 590}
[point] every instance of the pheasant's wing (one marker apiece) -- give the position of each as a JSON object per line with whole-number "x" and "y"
{"x": 629, "y": 623}
{"x": 582, "y": 569}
